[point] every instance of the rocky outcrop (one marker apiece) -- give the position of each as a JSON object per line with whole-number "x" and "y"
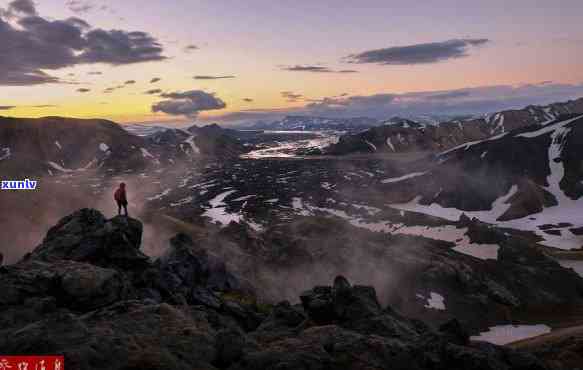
{"x": 86, "y": 236}
{"x": 92, "y": 261}
{"x": 370, "y": 338}
{"x": 286, "y": 260}
{"x": 187, "y": 310}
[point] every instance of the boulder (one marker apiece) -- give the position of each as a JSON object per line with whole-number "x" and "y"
{"x": 78, "y": 286}
{"x": 86, "y": 236}
{"x": 340, "y": 303}
{"x": 192, "y": 270}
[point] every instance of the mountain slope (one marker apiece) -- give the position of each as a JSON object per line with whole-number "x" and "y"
{"x": 52, "y": 145}
{"x": 55, "y": 144}
{"x": 196, "y": 142}
{"x": 528, "y": 177}
{"x": 404, "y": 135}
{"x": 309, "y": 123}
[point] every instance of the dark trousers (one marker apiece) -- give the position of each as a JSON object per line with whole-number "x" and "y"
{"x": 120, "y": 205}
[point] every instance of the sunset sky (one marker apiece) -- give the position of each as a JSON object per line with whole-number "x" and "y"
{"x": 97, "y": 58}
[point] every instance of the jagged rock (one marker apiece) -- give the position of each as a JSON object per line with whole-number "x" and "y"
{"x": 455, "y": 332}
{"x": 482, "y": 233}
{"x": 245, "y": 314}
{"x": 86, "y": 236}
{"x": 531, "y": 198}
{"x": 194, "y": 272}
{"x": 230, "y": 346}
{"x": 283, "y": 316}
{"x": 101, "y": 317}
{"x": 339, "y": 347}
{"x": 126, "y": 335}
{"x": 131, "y": 334}
{"x": 464, "y": 220}
{"x": 79, "y": 286}
{"x": 340, "y": 303}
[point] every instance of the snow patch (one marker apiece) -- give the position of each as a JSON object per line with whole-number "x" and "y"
{"x": 190, "y": 141}
{"x": 327, "y": 186}
{"x": 435, "y": 301}
{"x": 404, "y": 177}
{"x": 548, "y": 129}
{"x": 246, "y": 197}
{"x": 575, "y": 265}
{"x": 504, "y": 334}
{"x": 218, "y": 213}
{"x": 160, "y": 196}
{"x": 447, "y": 233}
{"x": 182, "y": 202}
{"x": 373, "y": 147}
{"x": 298, "y": 204}
{"x": 4, "y": 153}
{"x": 58, "y": 167}
{"x": 390, "y": 144}
{"x": 146, "y": 153}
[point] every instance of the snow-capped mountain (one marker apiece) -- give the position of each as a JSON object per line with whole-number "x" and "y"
{"x": 406, "y": 135}
{"x": 55, "y": 145}
{"x": 210, "y": 140}
{"x": 50, "y": 145}
{"x": 530, "y": 178}
{"x": 140, "y": 129}
{"x": 308, "y": 123}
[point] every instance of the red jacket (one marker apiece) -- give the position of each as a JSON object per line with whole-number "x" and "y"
{"x": 120, "y": 195}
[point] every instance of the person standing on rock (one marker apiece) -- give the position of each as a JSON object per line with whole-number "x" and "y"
{"x": 121, "y": 199}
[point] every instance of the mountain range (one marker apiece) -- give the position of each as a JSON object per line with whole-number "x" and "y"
{"x": 404, "y": 135}
{"x": 51, "y": 145}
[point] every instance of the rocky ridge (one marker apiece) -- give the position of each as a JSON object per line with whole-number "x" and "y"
{"x": 88, "y": 292}
{"x": 403, "y": 135}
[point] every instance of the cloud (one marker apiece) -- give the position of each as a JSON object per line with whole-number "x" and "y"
{"x": 153, "y": 92}
{"x": 248, "y": 100}
{"x": 7, "y": 107}
{"x": 31, "y": 46}
{"x": 19, "y": 7}
{"x": 113, "y": 88}
{"x": 249, "y": 115}
{"x": 155, "y": 79}
{"x": 129, "y": 82}
{"x": 474, "y": 100}
{"x": 291, "y": 97}
{"x": 189, "y": 48}
{"x": 212, "y": 77}
{"x": 189, "y": 103}
{"x": 314, "y": 69}
{"x": 427, "y": 53}
{"x": 79, "y": 7}
{"x": 45, "y": 106}
{"x": 120, "y": 47}
{"x": 83, "y": 90}
{"x": 448, "y": 95}
{"x": 94, "y": 73}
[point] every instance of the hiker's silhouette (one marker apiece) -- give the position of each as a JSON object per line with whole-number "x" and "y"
{"x": 121, "y": 199}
